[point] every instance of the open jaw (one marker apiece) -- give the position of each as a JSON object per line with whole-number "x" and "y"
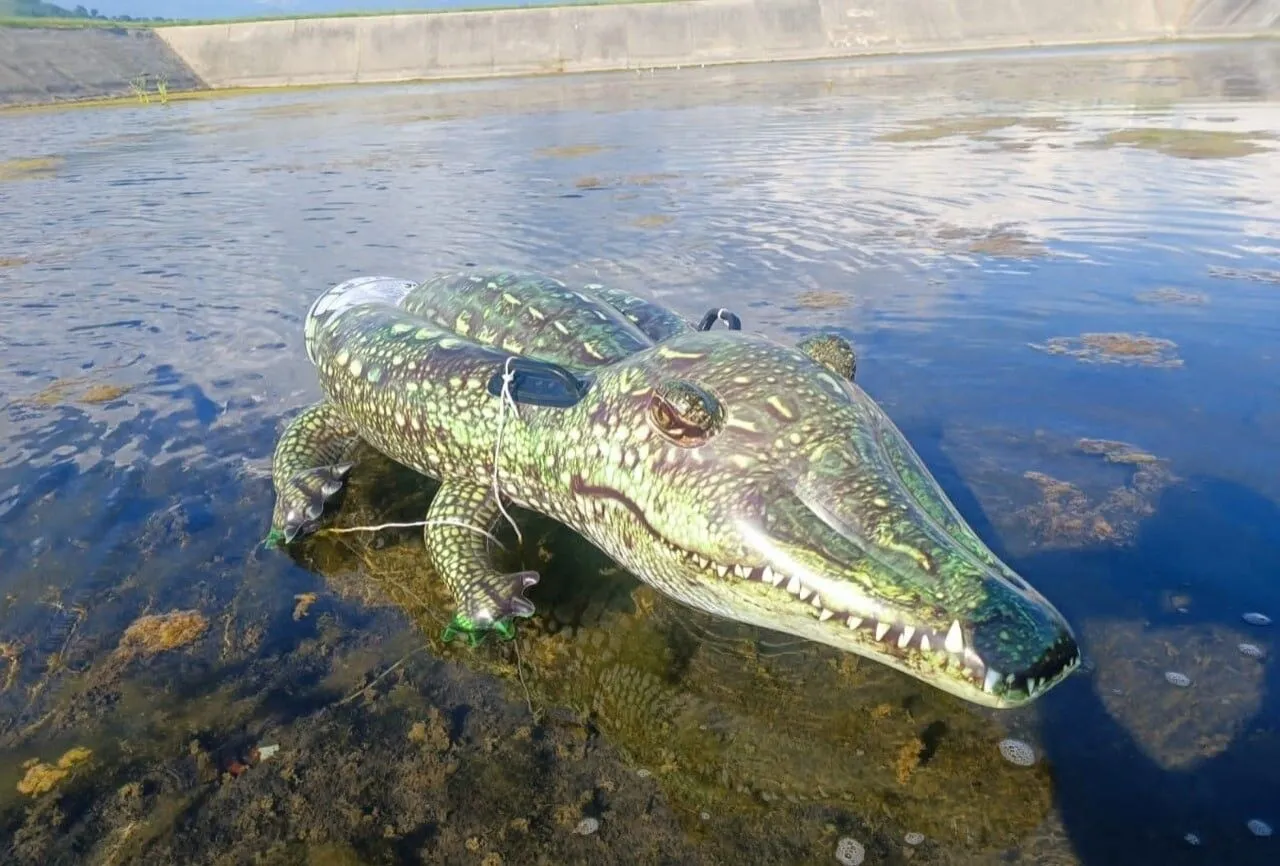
{"x": 945, "y": 658}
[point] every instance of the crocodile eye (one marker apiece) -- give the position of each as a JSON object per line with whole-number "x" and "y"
{"x": 685, "y": 414}
{"x": 834, "y": 353}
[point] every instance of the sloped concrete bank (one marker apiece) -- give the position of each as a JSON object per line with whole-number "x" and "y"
{"x": 592, "y": 39}
{"x": 44, "y": 65}
{"x": 629, "y": 36}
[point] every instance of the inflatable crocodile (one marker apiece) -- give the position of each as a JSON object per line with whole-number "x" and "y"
{"x": 747, "y": 479}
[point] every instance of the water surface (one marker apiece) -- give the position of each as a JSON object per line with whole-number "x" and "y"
{"x": 1062, "y": 275}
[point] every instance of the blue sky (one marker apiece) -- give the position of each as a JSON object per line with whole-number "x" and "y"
{"x": 243, "y": 8}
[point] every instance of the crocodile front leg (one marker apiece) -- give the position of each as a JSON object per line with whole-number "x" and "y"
{"x": 309, "y": 466}
{"x": 459, "y": 525}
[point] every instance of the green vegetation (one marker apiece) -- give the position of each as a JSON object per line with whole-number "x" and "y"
{"x": 143, "y": 92}
{"x": 38, "y": 13}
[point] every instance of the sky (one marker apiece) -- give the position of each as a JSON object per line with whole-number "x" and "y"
{"x": 249, "y": 8}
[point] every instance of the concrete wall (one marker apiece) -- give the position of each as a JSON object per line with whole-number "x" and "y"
{"x": 589, "y": 38}
{"x": 597, "y": 38}
{"x": 49, "y": 65}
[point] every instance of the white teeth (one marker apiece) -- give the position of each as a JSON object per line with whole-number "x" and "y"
{"x": 1033, "y": 686}
{"x": 854, "y": 621}
{"x": 993, "y": 677}
{"x": 825, "y": 615}
{"x": 816, "y": 601}
{"x": 905, "y": 637}
{"x": 804, "y": 593}
{"x": 722, "y": 570}
{"x": 742, "y": 571}
{"x": 924, "y": 643}
{"x": 769, "y": 577}
{"x": 955, "y": 640}
{"x": 793, "y": 586}
{"x": 775, "y": 579}
{"x": 881, "y": 630}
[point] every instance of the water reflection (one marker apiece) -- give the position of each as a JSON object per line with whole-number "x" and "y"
{"x": 947, "y": 215}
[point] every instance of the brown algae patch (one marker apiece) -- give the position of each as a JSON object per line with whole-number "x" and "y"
{"x": 32, "y": 168}
{"x": 652, "y": 221}
{"x": 1065, "y": 516}
{"x": 1114, "y": 348}
{"x": 41, "y": 778}
{"x": 103, "y": 393}
{"x": 11, "y": 655}
{"x": 999, "y": 241}
{"x": 1254, "y": 276}
{"x": 12, "y": 261}
{"x": 974, "y": 128}
{"x": 1187, "y": 143}
{"x": 570, "y": 151}
{"x": 1170, "y": 295}
{"x": 819, "y": 300}
{"x": 60, "y": 392}
{"x": 156, "y": 633}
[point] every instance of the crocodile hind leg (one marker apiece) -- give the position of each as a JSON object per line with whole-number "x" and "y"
{"x": 310, "y": 465}
{"x": 459, "y": 525}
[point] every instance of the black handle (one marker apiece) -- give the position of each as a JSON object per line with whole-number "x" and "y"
{"x": 538, "y": 383}
{"x": 735, "y": 324}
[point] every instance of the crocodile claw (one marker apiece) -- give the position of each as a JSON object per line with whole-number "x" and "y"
{"x": 496, "y": 612}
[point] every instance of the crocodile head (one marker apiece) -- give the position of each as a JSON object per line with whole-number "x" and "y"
{"x": 759, "y": 483}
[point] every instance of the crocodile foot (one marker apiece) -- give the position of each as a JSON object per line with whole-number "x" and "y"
{"x": 304, "y": 498}
{"x": 493, "y": 609}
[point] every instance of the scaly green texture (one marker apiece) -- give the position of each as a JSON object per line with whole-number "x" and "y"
{"x": 741, "y": 477}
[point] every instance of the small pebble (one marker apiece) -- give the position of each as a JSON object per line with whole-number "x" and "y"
{"x": 587, "y": 826}
{"x": 265, "y": 752}
{"x": 1253, "y": 651}
{"x": 849, "y": 851}
{"x": 1257, "y": 619}
{"x": 1191, "y": 839}
{"x": 1018, "y": 752}
{"x": 913, "y": 838}
{"x": 643, "y": 773}
{"x": 1177, "y": 679}
{"x": 1259, "y": 828}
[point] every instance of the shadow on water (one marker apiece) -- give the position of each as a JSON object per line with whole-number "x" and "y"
{"x": 1117, "y": 804}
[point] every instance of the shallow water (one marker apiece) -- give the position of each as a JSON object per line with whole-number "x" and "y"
{"x": 967, "y": 223}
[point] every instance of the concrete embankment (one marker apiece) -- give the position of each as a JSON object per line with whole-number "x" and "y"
{"x": 39, "y": 65}
{"x": 628, "y": 36}
{"x": 604, "y": 38}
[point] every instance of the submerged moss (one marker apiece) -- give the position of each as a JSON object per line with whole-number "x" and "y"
{"x": 732, "y": 723}
{"x": 1187, "y": 143}
{"x": 1170, "y": 295}
{"x": 1065, "y": 516}
{"x": 157, "y": 633}
{"x": 59, "y": 392}
{"x": 570, "y": 151}
{"x": 652, "y": 221}
{"x": 40, "y": 778}
{"x": 31, "y": 168}
{"x": 820, "y": 300}
{"x": 976, "y": 128}
{"x": 1114, "y": 348}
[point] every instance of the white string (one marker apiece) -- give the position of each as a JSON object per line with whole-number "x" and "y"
{"x": 439, "y": 521}
{"x": 507, "y": 378}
